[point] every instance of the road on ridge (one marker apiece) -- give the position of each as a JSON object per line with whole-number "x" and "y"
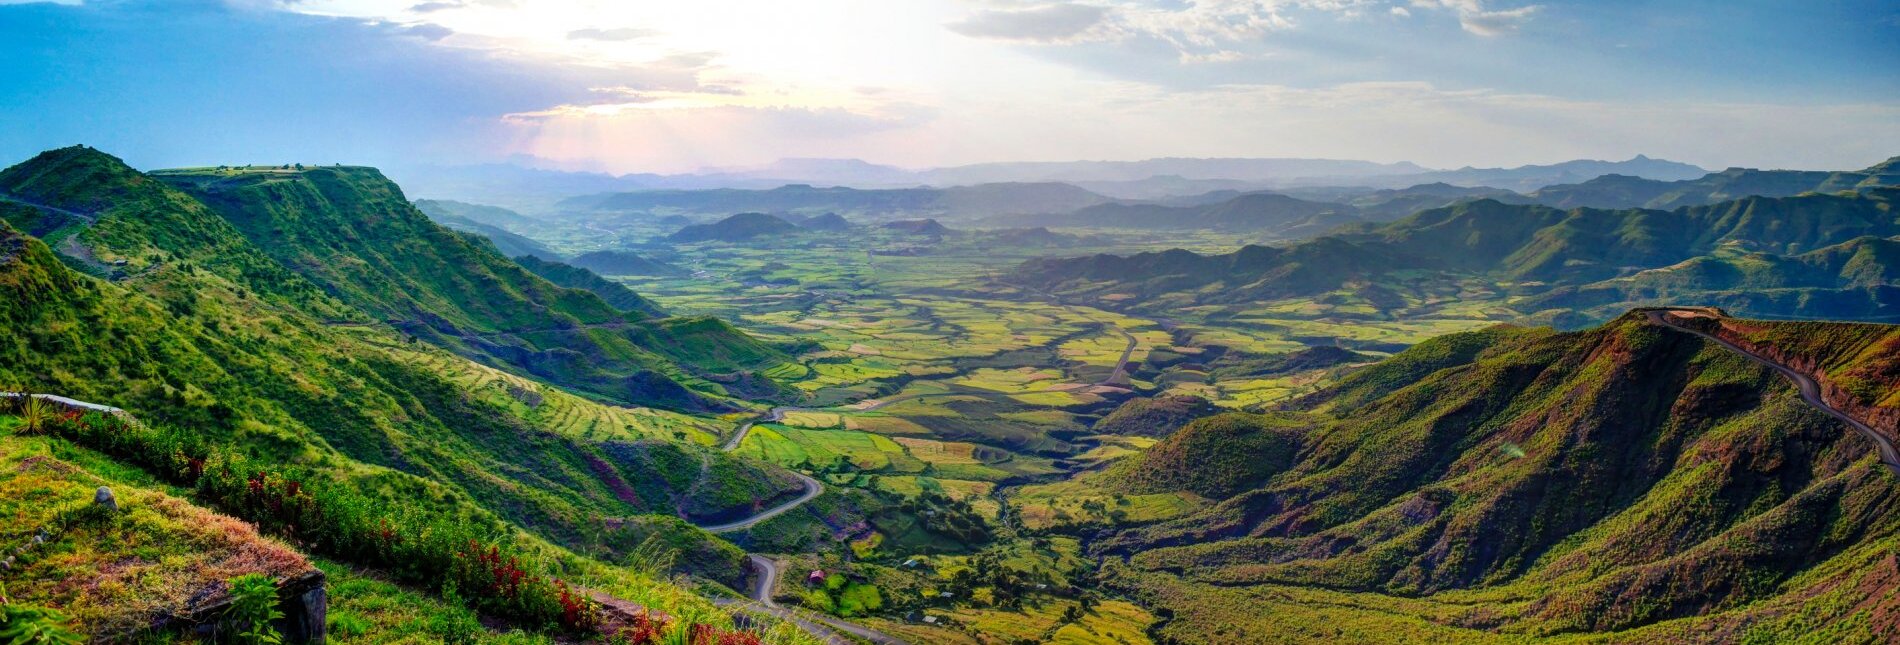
{"x": 1809, "y": 389}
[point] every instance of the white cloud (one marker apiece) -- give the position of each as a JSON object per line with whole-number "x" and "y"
{"x": 623, "y": 33}
{"x": 1044, "y": 24}
{"x": 929, "y": 83}
{"x": 1476, "y": 18}
{"x": 1493, "y": 23}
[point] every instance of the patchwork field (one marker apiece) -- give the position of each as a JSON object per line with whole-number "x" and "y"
{"x": 948, "y": 404}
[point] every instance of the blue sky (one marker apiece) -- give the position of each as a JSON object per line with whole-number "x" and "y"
{"x": 669, "y": 87}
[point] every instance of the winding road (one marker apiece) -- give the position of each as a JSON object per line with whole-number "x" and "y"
{"x": 1809, "y": 389}
{"x": 825, "y": 626}
{"x": 812, "y": 489}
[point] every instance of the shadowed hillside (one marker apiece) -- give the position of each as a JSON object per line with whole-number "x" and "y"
{"x": 1631, "y": 479}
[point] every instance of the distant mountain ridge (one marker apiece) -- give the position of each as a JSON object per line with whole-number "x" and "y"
{"x": 1623, "y": 191}
{"x": 519, "y": 186}
{"x": 1539, "y": 246}
{"x": 1263, "y": 212}
{"x": 984, "y": 199}
{"x": 1532, "y": 177}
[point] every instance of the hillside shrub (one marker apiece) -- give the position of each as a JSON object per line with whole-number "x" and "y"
{"x": 25, "y": 625}
{"x": 253, "y": 607}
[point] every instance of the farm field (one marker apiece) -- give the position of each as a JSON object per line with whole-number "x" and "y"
{"x": 943, "y": 401}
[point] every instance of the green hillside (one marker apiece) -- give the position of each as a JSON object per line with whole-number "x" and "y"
{"x": 202, "y": 332}
{"x": 1154, "y": 417}
{"x": 351, "y": 231}
{"x": 1215, "y": 457}
{"x": 575, "y": 277}
{"x": 1855, "y": 279}
{"x": 1629, "y": 479}
{"x": 461, "y": 217}
{"x": 1533, "y": 248}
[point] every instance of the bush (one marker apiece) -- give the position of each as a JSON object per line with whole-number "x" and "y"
{"x": 34, "y": 413}
{"x": 23, "y": 625}
{"x": 254, "y": 607}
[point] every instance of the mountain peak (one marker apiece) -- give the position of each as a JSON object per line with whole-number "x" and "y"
{"x": 76, "y": 177}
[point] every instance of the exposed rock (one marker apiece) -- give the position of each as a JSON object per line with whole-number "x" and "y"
{"x": 104, "y": 497}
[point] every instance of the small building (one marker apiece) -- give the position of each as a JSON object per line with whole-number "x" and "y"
{"x": 817, "y": 577}
{"x": 930, "y": 619}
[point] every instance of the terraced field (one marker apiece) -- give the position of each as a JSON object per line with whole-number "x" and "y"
{"x": 560, "y": 411}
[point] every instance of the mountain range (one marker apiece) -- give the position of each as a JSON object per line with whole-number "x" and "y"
{"x": 964, "y": 201}
{"x": 1625, "y": 191}
{"x": 536, "y": 190}
{"x": 1284, "y": 213}
{"x": 1538, "y": 248}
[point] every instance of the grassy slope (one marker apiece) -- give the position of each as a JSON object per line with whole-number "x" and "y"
{"x": 160, "y": 557}
{"x": 197, "y": 344}
{"x": 574, "y": 277}
{"x": 1664, "y": 486}
{"x": 1853, "y": 279}
{"x": 351, "y": 231}
{"x": 488, "y": 222}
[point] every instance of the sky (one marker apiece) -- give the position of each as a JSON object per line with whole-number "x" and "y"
{"x": 656, "y": 86}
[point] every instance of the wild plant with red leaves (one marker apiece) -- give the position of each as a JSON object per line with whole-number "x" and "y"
{"x": 646, "y": 630}
{"x": 703, "y": 634}
{"x": 578, "y": 612}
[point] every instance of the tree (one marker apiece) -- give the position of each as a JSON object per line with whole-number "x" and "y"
{"x": 1072, "y": 614}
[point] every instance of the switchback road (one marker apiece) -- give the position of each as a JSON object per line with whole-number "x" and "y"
{"x": 1809, "y": 389}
